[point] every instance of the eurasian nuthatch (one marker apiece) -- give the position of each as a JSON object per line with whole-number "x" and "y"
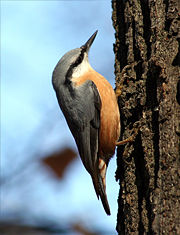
{"x": 90, "y": 107}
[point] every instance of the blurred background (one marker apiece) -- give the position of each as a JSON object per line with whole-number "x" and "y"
{"x": 44, "y": 185}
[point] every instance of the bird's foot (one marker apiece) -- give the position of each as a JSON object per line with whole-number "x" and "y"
{"x": 129, "y": 139}
{"x": 120, "y": 80}
{"x": 118, "y": 90}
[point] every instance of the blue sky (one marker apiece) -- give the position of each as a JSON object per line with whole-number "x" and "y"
{"x": 34, "y": 36}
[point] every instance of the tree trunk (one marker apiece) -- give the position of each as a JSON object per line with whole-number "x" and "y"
{"x": 148, "y": 169}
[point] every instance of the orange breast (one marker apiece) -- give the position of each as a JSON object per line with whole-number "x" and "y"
{"x": 110, "y": 117}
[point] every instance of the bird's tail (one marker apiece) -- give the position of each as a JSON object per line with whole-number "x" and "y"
{"x": 99, "y": 182}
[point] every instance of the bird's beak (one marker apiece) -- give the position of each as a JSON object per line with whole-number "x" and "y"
{"x": 88, "y": 44}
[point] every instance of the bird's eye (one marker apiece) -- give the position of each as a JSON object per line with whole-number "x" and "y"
{"x": 79, "y": 60}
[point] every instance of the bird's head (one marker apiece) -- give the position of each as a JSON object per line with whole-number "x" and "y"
{"x": 74, "y": 63}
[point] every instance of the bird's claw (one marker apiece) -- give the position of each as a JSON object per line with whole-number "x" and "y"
{"x": 129, "y": 139}
{"x": 123, "y": 75}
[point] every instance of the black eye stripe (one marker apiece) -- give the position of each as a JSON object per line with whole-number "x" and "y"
{"x": 76, "y": 63}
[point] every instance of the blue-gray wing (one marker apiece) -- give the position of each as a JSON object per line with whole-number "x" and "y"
{"x": 81, "y": 107}
{"x": 88, "y": 105}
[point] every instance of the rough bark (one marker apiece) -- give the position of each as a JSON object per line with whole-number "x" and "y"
{"x": 147, "y": 39}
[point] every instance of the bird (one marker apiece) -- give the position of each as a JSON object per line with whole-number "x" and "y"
{"x": 90, "y": 107}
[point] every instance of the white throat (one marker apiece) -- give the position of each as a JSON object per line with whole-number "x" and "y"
{"x": 82, "y": 68}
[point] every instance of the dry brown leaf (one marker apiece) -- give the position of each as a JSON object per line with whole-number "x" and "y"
{"x": 82, "y": 230}
{"x": 59, "y": 161}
